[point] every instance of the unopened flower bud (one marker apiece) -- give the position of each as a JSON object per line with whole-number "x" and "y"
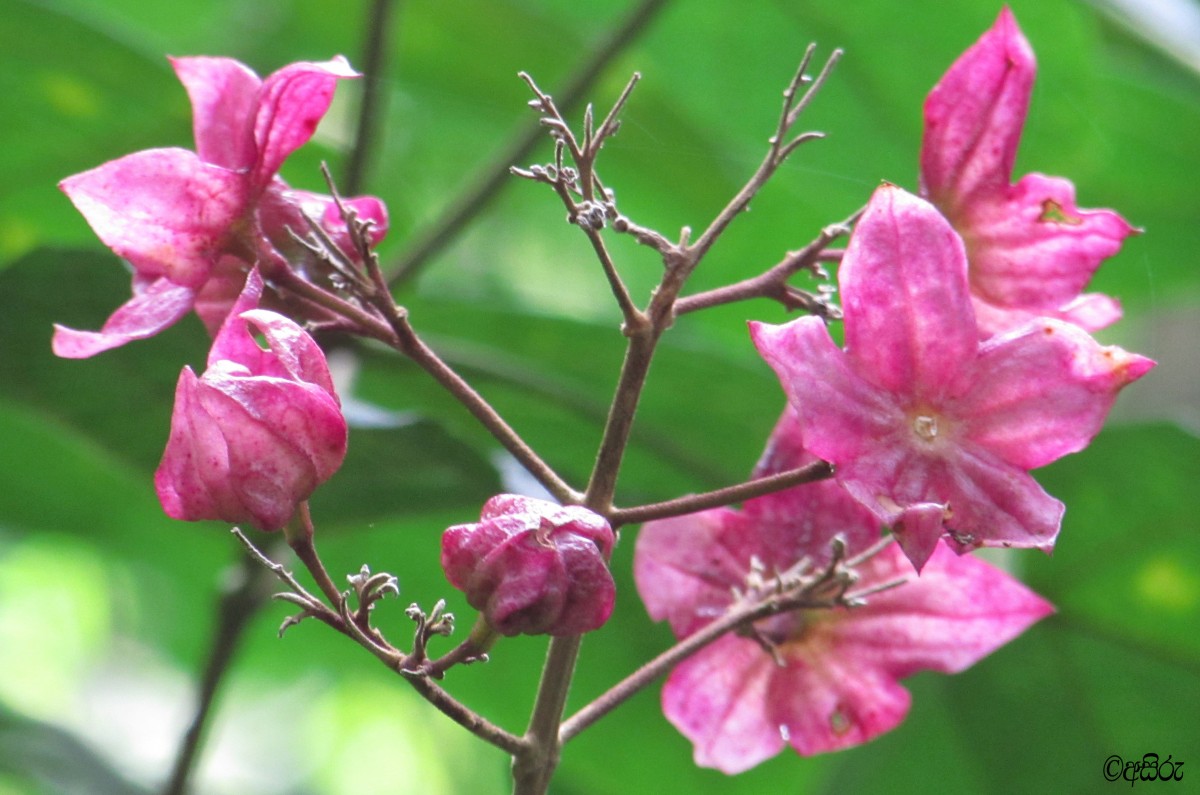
{"x": 254, "y": 435}
{"x": 533, "y": 567}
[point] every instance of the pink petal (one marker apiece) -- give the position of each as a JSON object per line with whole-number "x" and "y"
{"x": 1031, "y": 247}
{"x": 530, "y": 586}
{"x": 292, "y": 353}
{"x": 284, "y": 439}
{"x": 974, "y": 116}
{"x": 266, "y": 474}
{"x": 826, "y": 699}
{"x": 684, "y": 567}
{"x": 224, "y": 95}
{"x": 909, "y": 321}
{"x": 841, "y": 413}
{"x": 291, "y": 104}
{"x": 155, "y": 305}
{"x": 918, "y": 529}
{"x": 1044, "y": 391}
{"x": 590, "y": 593}
{"x": 958, "y": 611}
{"x": 980, "y": 497}
{"x": 1090, "y": 311}
{"x": 164, "y": 210}
{"x": 233, "y": 341}
{"x": 298, "y": 416}
{"x": 465, "y": 546}
{"x": 718, "y": 700}
{"x": 218, "y": 295}
{"x": 192, "y": 480}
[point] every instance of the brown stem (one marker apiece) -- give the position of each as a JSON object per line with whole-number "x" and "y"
{"x": 535, "y": 765}
{"x": 649, "y": 672}
{"x": 343, "y": 622}
{"x": 413, "y": 347}
{"x": 634, "y": 369}
{"x": 466, "y": 717}
{"x": 634, "y": 319}
{"x": 370, "y": 108}
{"x": 777, "y": 154}
{"x": 772, "y": 283}
{"x": 235, "y": 610}
{"x": 691, "y": 503}
{"x": 397, "y": 332}
{"x": 299, "y": 535}
{"x": 364, "y": 323}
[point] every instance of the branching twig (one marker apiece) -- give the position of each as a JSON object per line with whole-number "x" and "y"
{"x": 797, "y": 589}
{"x": 781, "y": 148}
{"x": 378, "y": 24}
{"x": 412, "y": 346}
{"x": 772, "y": 283}
{"x": 371, "y": 311}
{"x": 343, "y": 621}
{"x": 595, "y": 206}
{"x": 495, "y": 174}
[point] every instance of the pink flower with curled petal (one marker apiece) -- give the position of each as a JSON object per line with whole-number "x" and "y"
{"x": 533, "y": 567}
{"x": 832, "y": 681}
{"x": 1031, "y": 249}
{"x": 256, "y": 434}
{"x": 927, "y": 426}
{"x": 192, "y": 223}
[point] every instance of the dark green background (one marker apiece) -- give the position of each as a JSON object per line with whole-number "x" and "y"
{"x": 106, "y": 606}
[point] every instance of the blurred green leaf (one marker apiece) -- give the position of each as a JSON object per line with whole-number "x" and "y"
{"x": 1127, "y": 566}
{"x": 49, "y": 760}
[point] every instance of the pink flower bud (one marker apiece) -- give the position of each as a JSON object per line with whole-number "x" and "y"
{"x": 256, "y": 433}
{"x": 533, "y": 567}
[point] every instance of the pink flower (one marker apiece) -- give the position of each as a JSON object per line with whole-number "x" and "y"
{"x": 533, "y": 567}
{"x": 259, "y": 431}
{"x": 192, "y": 223}
{"x": 833, "y": 680}
{"x": 928, "y": 427}
{"x": 1031, "y": 249}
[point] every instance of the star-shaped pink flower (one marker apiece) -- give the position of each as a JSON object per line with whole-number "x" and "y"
{"x": 833, "y": 679}
{"x": 928, "y": 427}
{"x": 1031, "y": 249}
{"x": 192, "y": 223}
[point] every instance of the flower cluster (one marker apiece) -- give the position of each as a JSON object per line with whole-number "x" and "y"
{"x": 967, "y": 362}
{"x": 1031, "y": 249}
{"x": 929, "y": 427}
{"x": 193, "y": 223}
{"x": 820, "y": 679}
{"x": 254, "y": 435}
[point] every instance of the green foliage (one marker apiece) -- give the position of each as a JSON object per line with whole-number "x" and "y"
{"x": 520, "y": 306}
